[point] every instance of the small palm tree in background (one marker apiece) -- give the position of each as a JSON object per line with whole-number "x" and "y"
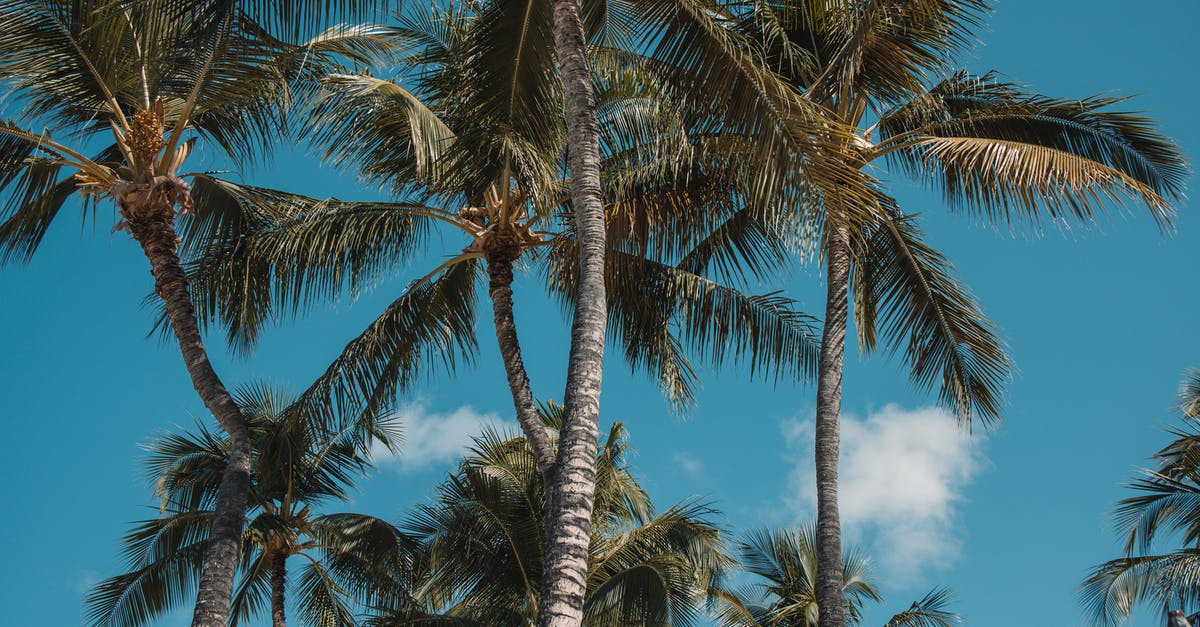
{"x": 1168, "y": 506}
{"x": 482, "y": 551}
{"x": 295, "y": 467}
{"x": 126, "y": 82}
{"x": 783, "y": 594}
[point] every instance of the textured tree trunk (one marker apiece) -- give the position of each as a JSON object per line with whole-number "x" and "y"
{"x": 153, "y": 229}
{"x": 569, "y": 511}
{"x": 278, "y": 587}
{"x": 830, "y": 600}
{"x": 500, "y": 278}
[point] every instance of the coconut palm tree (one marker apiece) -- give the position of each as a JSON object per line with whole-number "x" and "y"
{"x": 126, "y": 82}
{"x": 484, "y": 552}
{"x": 1168, "y": 505}
{"x": 783, "y": 594}
{"x": 296, "y": 467}
{"x": 868, "y": 70}
{"x": 569, "y": 515}
{"x": 485, "y": 162}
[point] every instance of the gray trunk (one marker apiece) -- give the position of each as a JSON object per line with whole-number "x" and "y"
{"x": 500, "y": 278}
{"x": 278, "y": 588}
{"x": 156, "y": 234}
{"x": 830, "y": 599}
{"x": 569, "y": 510}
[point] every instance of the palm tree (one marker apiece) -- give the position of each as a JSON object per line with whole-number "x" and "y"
{"x": 569, "y": 515}
{"x": 484, "y": 553}
{"x": 485, "y": 162}
{"x": 783, "y": 594}
{"x": 128, "y": 80}
{"x": 295, "y": 467}
{"x": 1169, "y": 505}
{"x": 994, "y": 149}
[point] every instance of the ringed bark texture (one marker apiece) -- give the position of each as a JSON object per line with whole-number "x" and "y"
{"x": 830, "y": 599}
{"x": 278, "y": 588}
{"x": 154, "y": 231}
{"x": 569, "y": 511}
{"x": 500, "y": 278}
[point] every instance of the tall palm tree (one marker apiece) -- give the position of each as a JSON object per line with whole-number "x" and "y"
{"x": 485, "y": 161}
{"x": 994, "y": 149}
{"x": 484, "y": 552}
{"x": 127, "y": 81}
{"x": 569, "y": 515}
{"x": 295, "y": 467}
{"x": 1168, "y": 505}
{"x": 783, "y": 594}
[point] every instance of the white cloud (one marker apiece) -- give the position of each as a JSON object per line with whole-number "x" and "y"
{"x": 430, "y": 438}
{"x": 903, "y": 476}
{"x": 688, "y": 463}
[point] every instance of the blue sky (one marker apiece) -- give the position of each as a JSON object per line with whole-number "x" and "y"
{"x": 1099, "y": 321}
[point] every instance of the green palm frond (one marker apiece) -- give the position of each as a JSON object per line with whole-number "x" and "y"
{"x": 1114, "y": 588}
{"x": 656, "y": 309}
{"x": 432, "y": 322}
{"x": 785, "y": 562}
{"x": 904, "y": 291}
{"x": 321, "y": 601}
{"x": 720, "y": 75}
{"x": 885, "y": 49}
{"x": 380, "y": 124}
{"x": 165, "y": 555}
{"x": 261, "y": 255}
{"x": 930, "y": 611}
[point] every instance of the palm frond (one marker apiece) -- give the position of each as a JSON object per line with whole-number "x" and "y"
{"x": 432, "y": 322}
{"x": 257, "y": 255}
{"x": 1011, "y": 156}
{"x": 165, "y": 555}
{"x": 904, "y": 291}
{"x": 1114, "y": 588}
{"x": 930, "y": 611}
{"x": 1189, "y": 394}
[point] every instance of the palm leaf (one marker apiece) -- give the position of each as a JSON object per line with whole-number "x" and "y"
{"x": 903, "y": 289}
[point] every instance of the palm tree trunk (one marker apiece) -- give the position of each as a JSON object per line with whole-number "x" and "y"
{"x": 830, "y": 599}
{"x": 500, "y": 278}
{"x": 569, "y": 511}
{"x": 278, "y": 586}
{"x": 154, "y": 231}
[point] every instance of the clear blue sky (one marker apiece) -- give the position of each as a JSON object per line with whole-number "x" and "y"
{"x": 1100, "y": 322}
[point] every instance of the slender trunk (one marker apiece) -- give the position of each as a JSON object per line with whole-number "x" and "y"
{"x": 154, "y": 231}
{"x": 500, "y": 278}
{"x": 569, "y": 511}
{"x": 278, "y": 585}
{"x": 830, "y": 599}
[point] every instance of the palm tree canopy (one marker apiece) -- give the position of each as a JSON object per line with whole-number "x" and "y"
{"x": 469, "y": 156}
{"x": 783, "y": 592}
{"x": 1167, "y": 505}
{"x": 482, "y": 544}
{"x": 81, "y": 73}
{"x": 295, "y": 467}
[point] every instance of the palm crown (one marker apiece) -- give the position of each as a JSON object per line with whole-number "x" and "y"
{"x": 481, "y": 553}
{"x": 295, "y": 469}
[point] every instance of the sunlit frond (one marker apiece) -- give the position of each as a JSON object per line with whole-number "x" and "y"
{"x": 1012, "y": 156}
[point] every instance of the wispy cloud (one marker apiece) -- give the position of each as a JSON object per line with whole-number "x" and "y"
{"x": 688, "y": 463}
{"x": 903, "y": 476}
{"x": 431, "y": 438}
